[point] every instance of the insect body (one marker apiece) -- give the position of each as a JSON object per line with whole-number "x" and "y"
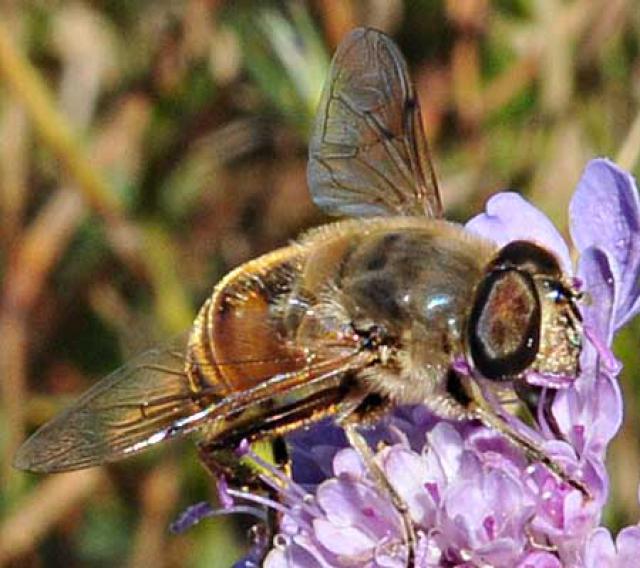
{"x": 394, "y": 306}
{"x": 361, "y": 309}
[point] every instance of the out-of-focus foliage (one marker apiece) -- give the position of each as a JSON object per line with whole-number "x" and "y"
{"x": 148, "y": 147}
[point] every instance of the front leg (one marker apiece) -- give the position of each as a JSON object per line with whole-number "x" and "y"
{"x": 469, "y": 395}
{"x": 350, "y": 417}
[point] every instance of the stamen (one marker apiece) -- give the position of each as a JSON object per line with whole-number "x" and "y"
{"x": 222, "y": 488}
{"x": 273, "y": 477}
{"x": 203, "y": 510}
{"x": 260, "y": 500}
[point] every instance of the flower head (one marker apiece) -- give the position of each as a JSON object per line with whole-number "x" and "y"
{"x": 474, "y": 498}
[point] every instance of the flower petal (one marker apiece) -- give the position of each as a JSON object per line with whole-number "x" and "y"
{"x": 628, "y": 545}
{"x": 605, "y": 212}
{"x": 600, "y": 551}
{"x": 607, "y": 415}
{"x": 347, "y": 463}
{"x": 590, "y": 414}
{"x": 601, "y": 277}
{"x": 353, "y": 504}
{"x": 539, "y": 560}
{"x": 446, "y": 450}
{"x": 408, "y": 474}
{"x": 293, "y": 556}
{"x": 347, "y": 541}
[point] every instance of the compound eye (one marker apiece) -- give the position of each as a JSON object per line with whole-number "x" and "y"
{"x": 528, "y": 257}
{"x": 504, "y": 327}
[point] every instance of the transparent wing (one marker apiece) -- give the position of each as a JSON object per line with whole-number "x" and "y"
{"x": 368, "y": 153}
{"x": 152, "y": 399}
{"x": 138, "y": 405}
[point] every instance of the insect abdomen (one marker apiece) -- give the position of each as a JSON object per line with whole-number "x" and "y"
{"x": 238, "y": 338}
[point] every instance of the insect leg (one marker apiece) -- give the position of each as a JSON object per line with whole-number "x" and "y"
{"x": 532, "y": 450}
{"x": 361, "y": 446}
{"x": 475, "y": 403}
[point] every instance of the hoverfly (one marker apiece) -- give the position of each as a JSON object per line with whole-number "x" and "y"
{"x": 353, "y": 318}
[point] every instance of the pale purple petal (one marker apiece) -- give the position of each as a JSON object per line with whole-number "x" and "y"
{"x": 347, "y": 503}
{"x": 607, "y": 417}
{"x": 601, "y": 278}
{"x": 496, "y": 452}
{"x": 579, "y": 515}
{"x": 428, "y": 553}
{"x": 447, "y": 450}
{"x": 539, "y": 559}
{"x": 485, "y": 514}
{"x": 347, "y": 463}
{"x": 312, "y": 547}
{"x": 510, "y": 217}
{"x": 590, "y": 414}
{"x": 628, "y": 545}
{"x": 549, "y": 518}
{"x": 359, "y": 525}
{"x": 605, "y": 212}
{"x": 342, "y": 540}
{"x": 600, "y": 550}
{"x": 408, "y": 474}
{"x": 293, "y": 556}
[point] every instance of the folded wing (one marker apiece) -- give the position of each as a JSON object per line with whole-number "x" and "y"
{"x": 368, "y": 154}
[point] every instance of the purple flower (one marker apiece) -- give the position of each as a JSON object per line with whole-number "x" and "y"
{"x": 601, "y": 552}
{"x": 472, "y": 497}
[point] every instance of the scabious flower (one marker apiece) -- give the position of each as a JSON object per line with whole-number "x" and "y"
{"x": 473, "y": 498}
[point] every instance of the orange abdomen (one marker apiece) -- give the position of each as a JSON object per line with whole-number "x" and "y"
{"x": 240, "y": 337}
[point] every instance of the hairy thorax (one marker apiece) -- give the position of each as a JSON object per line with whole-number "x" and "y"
{"x": 408, "y": 281}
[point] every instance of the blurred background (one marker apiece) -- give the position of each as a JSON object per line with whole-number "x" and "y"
{"x": 148, "y": 147}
